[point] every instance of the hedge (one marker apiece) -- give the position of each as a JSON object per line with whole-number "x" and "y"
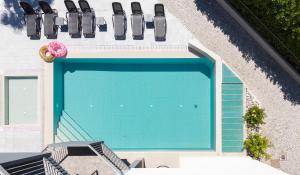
{"x": 277, "y": 21}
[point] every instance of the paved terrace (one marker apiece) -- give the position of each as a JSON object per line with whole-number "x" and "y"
{"x": 267, "y": 81}
{"x": 19, "y": 54}
{"x": 273, "y": 88}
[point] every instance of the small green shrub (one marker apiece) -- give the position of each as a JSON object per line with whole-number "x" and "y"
{"x": 254, "y": 117}
{"x": 256, "y": 146}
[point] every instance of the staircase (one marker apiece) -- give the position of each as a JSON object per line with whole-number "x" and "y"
{"x": 102, "y": 150}
{"x": 35, "y": 166}
{"x": 111, "y": 163}
{"x": 58, "y": 153}
{"x": 41, "y": 164}
{"x": 69, "y": 130}
{"x": 232, "y": 112}
{"x": 52, "y": 167}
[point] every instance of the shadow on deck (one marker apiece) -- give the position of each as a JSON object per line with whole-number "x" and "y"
{"x": 13, "y": 15}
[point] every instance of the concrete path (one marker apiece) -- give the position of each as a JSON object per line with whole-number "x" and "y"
{"x": 271, "y": 85}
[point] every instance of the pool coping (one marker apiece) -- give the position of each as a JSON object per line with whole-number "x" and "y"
{"x": 194, "y": 49}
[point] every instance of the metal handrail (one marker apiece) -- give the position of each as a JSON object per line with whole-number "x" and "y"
{"x": 109, "y": 154}
{"x": 50, "y": 168}
{"x": 102, "y": 150}
{"x": 58, "y": 154}
{"x": 3, "y": 171}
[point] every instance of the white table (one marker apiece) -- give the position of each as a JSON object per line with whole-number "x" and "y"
{"x": 100, "y": 21}
{"x": 149, "y": 21}
{"x": 148, "y": 18}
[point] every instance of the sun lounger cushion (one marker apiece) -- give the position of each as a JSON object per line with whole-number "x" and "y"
{"x": 87, "y": 23}
{"x": 31, "y": 21}
{"x": 160, "y": 27}
{"x": 137, "y": 25}
{"x": 73, "y": 23}
{"x": 49, "y": 23}
{"x": 119, "y": 25}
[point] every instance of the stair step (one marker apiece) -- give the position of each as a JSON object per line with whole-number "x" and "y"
{"x": 61, "y": 136}
{"x": 69, "y": 132}
{"x": 32, "y": 171}
{"x": 57, "y": 166}
{"x": 76, "y": 128}
{"x": 40, "y": 173}
{"x": 24, "y": 165}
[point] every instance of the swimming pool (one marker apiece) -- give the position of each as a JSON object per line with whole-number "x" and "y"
{"x": 138, "y": 104}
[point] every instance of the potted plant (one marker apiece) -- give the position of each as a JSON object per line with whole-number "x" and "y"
{"x": 256, "y": 146}
{"x": 255, "y": 117}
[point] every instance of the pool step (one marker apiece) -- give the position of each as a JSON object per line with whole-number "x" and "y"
{"x": 69, "y": 130}
{"x": 232, "y": 112}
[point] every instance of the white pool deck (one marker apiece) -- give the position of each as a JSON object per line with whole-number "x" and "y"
{"x": 19, "y": 56}
{"x": 21, "y": 52}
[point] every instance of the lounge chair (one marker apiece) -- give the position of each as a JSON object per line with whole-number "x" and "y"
{"x": 32, "y": 19}
{"x": 50, "y": 28}
{"x": 137, "y": 21}
{"x": 73, "y": 18}
{"x": 160, "y": 23}
{"x": 119, "y": 21}
{"x": 88, "y": 19}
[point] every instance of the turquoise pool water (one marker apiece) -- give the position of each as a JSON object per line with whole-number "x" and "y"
{"x": 139, "y": 104}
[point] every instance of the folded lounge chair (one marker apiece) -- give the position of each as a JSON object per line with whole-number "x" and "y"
{"x": 32, "y": 20}
{"x": 119, "y": 21}
{"x": 137, "y": 21}
{"x": 88, "y": 19}
{"x": 160, "y": 23}
{"x": 74, "y": 18}
{"x": 50, "y": 28}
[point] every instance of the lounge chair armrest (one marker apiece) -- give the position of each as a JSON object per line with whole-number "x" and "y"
{"x": 143, "y": 23}
{"x": 131, "y": 18}
{"x": 112, "y": 19}
{"x": 67, "y": 14}
{"x": 125, "y": 23}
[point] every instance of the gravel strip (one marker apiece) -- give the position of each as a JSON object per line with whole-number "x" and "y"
{"x": 273, "y": 88}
